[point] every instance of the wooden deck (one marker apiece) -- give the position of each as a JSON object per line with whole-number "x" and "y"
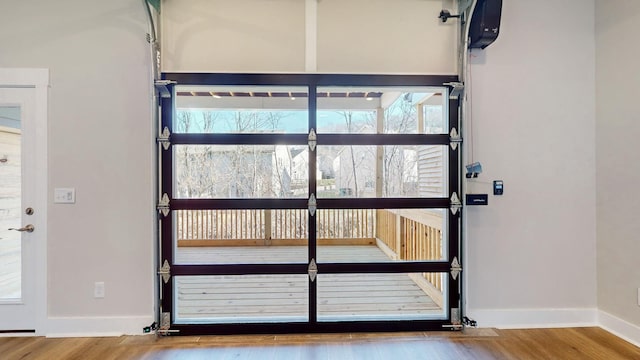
{"x": 284, "y": 298}
{"x": 9, "y": 264}
{"x": 277, "y": 254}
{"x": 10, "y": 214}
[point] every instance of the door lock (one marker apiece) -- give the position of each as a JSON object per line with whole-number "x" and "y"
{"x": 28, "y": 211}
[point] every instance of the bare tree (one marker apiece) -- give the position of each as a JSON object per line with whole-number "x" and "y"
{"x": 400, "y": 118}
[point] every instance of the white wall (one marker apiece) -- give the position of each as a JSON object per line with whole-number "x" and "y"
{"x": 379, "y": 36}
{"x": 618, "y": 168}
{"x": 531, "y": 254}
{"x": 233, "y": 36}
{"x": 101, "y": 143}
{"x": 355, "y": 36}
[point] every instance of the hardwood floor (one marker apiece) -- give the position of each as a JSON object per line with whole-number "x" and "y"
{"x": 481, "y": 344}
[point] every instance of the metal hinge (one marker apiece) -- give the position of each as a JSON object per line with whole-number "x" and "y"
{"x": 454, "y": 139}
{"x": 162, "y": 86}
{"x": 165, "y": 271}
{"x": 313, "y": 140}
{"x": 456, "y": 268}
{"x": 456, "y": 89}
{"x": 313, "y": 270}
{"x": 163, "y": 205}
{"x": 456, "y": 204}
{"x": 164, "y": 138}
{"x": 313, "y": 205}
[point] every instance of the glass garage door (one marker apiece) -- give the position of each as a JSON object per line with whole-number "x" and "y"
{"x": 308, "y": 203}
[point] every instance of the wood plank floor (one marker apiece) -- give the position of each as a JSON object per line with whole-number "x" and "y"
{"x": 10, "y": 262}
{"x": 253, "y": 298}
{"x": 284, "y": 298}
{"x": 478, "y": 344}
{"x": 277, "y": 254}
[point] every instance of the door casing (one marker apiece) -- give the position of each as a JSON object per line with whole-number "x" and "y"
{"x": 35, "y": 154}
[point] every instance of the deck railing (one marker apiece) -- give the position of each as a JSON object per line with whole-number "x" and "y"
{"x": 273, "y": 227}
{"x": 404, "y": 235}
{"x": 411, "y": 235}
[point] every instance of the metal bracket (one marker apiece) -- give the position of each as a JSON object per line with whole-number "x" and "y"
{"x": 165, "y": 271}
{"x": 164, "y": 138}
{"x": 456, "y": 204}
{"x": 456, "y": 322}
{"x": 165, "y": 324}
{"x": 456, "y": 89}
{"x": 313, "y": 140}
{"x": 165, "y": 320}
{"x": 454, "y": 327}
{"x": 313, "y": 205}
{"x": 454, "y": 139}
{"x": 162, "y": 86}
{"x": 456, "y": 268}
{"x": 163, "y": 205}
{"x": 313, "y": 270}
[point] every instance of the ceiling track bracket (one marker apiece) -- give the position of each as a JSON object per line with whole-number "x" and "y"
{"x": 457, "y": 88}
{"x": 163, "y": 87}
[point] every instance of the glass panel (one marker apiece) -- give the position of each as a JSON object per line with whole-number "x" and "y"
{"x": 241, "y": 109}
{"x": 241, "y": 171}
{"x": 381, "y": 235}
{"x": 10, "y": 203}
{"x": 241, "y": 298}
{"x": 402, "y": 296}
{"x": 241, "y": 236}
{"x": 366, "y": 110}
{"x": 406, "y": 171}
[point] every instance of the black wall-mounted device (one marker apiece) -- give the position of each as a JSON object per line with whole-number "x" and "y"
{"x": 498, "y": 187}
{"x": 485, "y": 23}
{"x": 477, "y": 199}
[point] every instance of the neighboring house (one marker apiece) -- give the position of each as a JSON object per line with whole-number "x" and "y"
{"x": 355, "y": 171}
{"x": 218, "y": 171}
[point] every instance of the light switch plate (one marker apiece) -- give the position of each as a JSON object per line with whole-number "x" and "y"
{"x": 64, "y": 196}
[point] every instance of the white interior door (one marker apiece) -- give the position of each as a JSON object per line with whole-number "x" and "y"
{"x": 20, "y": 215}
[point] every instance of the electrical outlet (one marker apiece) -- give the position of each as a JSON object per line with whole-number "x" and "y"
{"x": 638, "y": 296}
{"x": 98, "y": 290}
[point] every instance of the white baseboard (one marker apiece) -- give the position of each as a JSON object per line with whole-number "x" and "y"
{"x": 534, "y": 318}
{"x": 498, "y": 318}
{"x": 18, "y": 334}
{"x": 96, "y": 326}
{"x": 619, "y": 327}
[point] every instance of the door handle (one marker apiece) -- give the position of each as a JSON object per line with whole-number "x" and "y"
{"x": 29, "y": 228}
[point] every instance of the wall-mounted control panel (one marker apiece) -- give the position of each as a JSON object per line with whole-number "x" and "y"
{"x": 477, "y": 199}
{"x": 498, "y": 187}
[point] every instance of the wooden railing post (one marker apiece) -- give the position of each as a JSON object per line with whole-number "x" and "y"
{"x": 400, "y": 240}
{"x": 267, "y": 226}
